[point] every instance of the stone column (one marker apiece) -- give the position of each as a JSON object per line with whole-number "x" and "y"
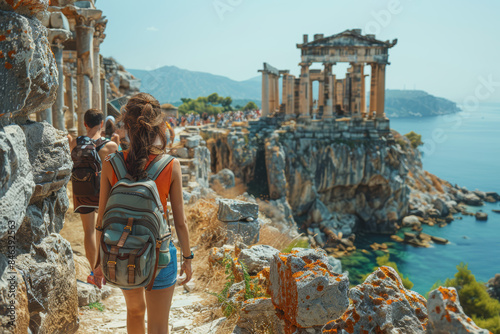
{"x": 373, "y": 89}
{"x": 290, "y": 108}
{"x": 265, "y": 94}
{"x": 304, "y": 95}
{"x": 330, "y": 101}
{"x": 104, "y": 95}
{"x": 284, "y": 90}
{"x": 347, "y": 94}
{"x": 357, "y": 74}
{"x": 99, "y": 36}
{"x": 363, "y": 92}
{"x": 272, "y": 96}
{"x": 58, "y": 106}
{"x": 70, "y": 101}
{"x": 381, "y": 91}
{"x": 277, "y": 92}
{"x": 85, "y": 67}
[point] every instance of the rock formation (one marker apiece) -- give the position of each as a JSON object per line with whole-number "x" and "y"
{"x": 37, "y": 285}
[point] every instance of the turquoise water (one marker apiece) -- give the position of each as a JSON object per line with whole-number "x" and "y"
{"x": 463, "y": 149}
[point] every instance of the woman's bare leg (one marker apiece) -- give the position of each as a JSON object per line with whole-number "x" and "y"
{"x": 136, "y": 308}
{"x": 158, "y": 305}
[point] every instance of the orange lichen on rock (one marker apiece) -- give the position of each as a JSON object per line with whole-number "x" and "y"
{"x": 8, "y": 65}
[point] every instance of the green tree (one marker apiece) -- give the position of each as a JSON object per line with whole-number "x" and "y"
{"x": 250, "y": 106}
{"x": 475, "y": 300}
{"x": 213, "y": 98}
{"x": 186, "y": 99}
{"x": 226, "y": 102}
{"x": 415, "y": 139}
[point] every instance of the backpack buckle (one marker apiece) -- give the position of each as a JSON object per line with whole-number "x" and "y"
{"x": 128, "y": 228}
{"x": 131, "y": 265}
{"x": 112, "y": 262}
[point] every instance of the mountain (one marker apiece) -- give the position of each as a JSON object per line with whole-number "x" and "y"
{"x": 170, "y": 84}
{"x": 416, "y": 103}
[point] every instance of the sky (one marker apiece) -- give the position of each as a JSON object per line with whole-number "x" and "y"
{"x": 448, "y": 48}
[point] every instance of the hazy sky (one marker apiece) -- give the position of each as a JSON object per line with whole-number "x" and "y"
{"x": 450, "y": 48}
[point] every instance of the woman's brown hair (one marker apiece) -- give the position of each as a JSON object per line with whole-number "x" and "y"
{"x": 143, "y": 120}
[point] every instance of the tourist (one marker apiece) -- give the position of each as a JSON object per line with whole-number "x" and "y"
{"x": 87, "y": 153}
{"x": 143, "y": 119}
{"x": 110, "y": 130}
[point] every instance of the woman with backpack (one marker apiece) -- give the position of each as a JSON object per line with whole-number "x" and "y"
{"x": 142, "y": 118}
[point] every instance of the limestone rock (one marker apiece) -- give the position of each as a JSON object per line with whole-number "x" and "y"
{"x": 257, "y": 257}
{"x": 89, "y": 293}
{"x": 201, "y": 164}
{"x": 182, "y": 153}
{"x": 441, "y": 206}
{"x": 49, "y": 155}
{"x": 305, "y": 290}
{"x": 411, "y": 221}
{"x": 259, "y": 314}
{"x": 243, "y": 231}
{"x": 447, "y": 316}
{"x": 472, "y": 199}
{"x": 281, "y": 215}
{"x": 336, "y": 264}
{"x": 14, "y": 313}
{"x": 17, "y": 184}
{"x": 24, "y": 7}
{"x": 382, "y": 305}
{"x": 231, "y": 210}
{"x": 28, "y": 70}
{"x": 53, "y": 298}
{"x": 225, "y": 178}
{"x": 193, "y": 141}
{"x": 275, "y": 164}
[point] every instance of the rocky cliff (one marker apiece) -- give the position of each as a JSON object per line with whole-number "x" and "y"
{"x": 416, "y": 103}
{"x": 37, "y": 285}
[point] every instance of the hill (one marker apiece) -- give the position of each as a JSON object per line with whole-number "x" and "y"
{"x": 416, "y": 103}
{"x": 170, "y": 84}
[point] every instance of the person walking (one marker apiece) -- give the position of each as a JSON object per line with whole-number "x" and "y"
{"x": 142, "y": 118}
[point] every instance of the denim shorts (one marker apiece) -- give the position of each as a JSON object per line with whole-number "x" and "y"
{"x": 167, "y": 276}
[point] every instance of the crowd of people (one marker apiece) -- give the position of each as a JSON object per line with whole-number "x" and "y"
{"x": 222, "y": 119}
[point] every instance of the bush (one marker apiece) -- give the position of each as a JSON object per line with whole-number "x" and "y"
{"x": 415, "y": 139}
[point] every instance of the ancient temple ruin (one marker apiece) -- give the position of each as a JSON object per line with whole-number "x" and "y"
{"x": 339, "y": 101}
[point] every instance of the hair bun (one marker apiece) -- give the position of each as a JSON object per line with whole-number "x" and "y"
{"x": 142, "y": 121}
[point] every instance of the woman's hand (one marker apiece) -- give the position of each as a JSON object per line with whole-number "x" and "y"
{"x": 186, "y": 268}
{"x": 99, "y": 277}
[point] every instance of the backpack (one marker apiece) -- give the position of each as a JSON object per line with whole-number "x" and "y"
{"x": 134, "y": 244}
{"x": 86, "y": 172}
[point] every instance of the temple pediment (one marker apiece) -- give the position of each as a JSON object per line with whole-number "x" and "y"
{"x": 347, "y": 38}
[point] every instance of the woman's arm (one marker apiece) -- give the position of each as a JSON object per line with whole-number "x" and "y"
{"x": 106, "y": 175}
{"x": 177, "y": 201}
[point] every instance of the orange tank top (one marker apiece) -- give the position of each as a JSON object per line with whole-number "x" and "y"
{"x": 162, "y": 181}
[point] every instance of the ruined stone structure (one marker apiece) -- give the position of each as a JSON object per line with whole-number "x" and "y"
{"x": 340, "y": 101}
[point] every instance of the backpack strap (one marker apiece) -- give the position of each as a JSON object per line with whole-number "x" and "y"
{"x": 158, "y": 165}
{"x": 99, "y": 143}
{"x": 118, "y": 164}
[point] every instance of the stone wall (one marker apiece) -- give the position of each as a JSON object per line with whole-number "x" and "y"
{"x": 37, "y": 284}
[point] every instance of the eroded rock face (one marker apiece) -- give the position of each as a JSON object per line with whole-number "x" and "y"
{"x": 382, "y": 305}
{"x": 257, "y": 257}
{"x": 305, "y": 290}
{"x": 447, "y": 316}
{"x": 259, "y": 314}
{"x": 17, "y": 184}
{"x": 53, "y": 298}
{"x": 24, "y": 7}
{"x": 28, "y": 70}
{"x": 225, "y": 178}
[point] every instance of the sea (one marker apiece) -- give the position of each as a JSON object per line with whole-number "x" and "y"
{"x": 464, "y": 149}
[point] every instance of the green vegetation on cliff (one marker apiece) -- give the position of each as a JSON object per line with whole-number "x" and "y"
{"x": 212, "y": 105}
{"x": 475, "y": 300}
{"x": 416, "y": 103}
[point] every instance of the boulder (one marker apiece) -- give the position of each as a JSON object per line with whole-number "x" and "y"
{"x": 481, "y": 215}
{"x": 231, "y": 210}
{"x": 472, "y": 199}
{"x": 24, "y": 7}
{"x": 336, "y": 264}
{"x": 493, "y": 194}
{"x": 446, "y": 314}
{"x": 14, "y": 313}
{"x": 202, "y": 165}
{"x": 193, "y": 141}
{"x": 257, "y": 257}
{"x": 243, "y": 231}
{"x": 89, "y": 293}
{"x": 275, "y": 166}
{"x": 259, "y": 315}
{"x": 318, "y": 213}
{"x": 49, "y": 271}
{"x": 17, "y": 184}
{"x": 441, "y": 206}
{"x": 382, "y": 305}
{"x": 27, "y": 66}
{"x": 225, "y": 178}
{"x": 50, "y": 158}
{"x": 305, "y": 289}
{"x": 182, "y": 153}
{"x": 410, "y": 221}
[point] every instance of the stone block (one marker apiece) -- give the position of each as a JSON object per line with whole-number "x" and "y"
{"x": 246, "y": 232}
{"x": 306, "y": 290}
{"x": 446, "y": 314}
{"x": 225, "y": 178}
{"x": 182, "y": 153}
{"x": 193, "y": 141}
{"x": 231, "y": 210}
{"x": 52, "y": 292}
{"x": 382, "y": 305}
{"x": 59, "y": 21}
{"x": 27, "y": 68}
{"x": 17, "y": 184}
{"x": 257, "y": 257}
